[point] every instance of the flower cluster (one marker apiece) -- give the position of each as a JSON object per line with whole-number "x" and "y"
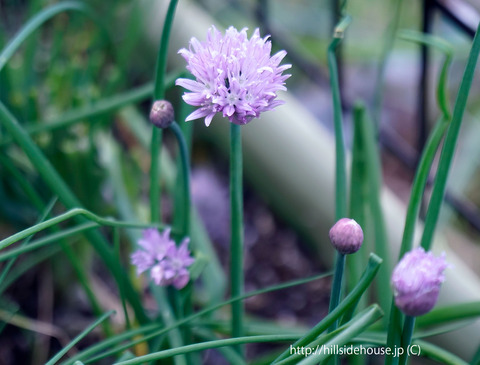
{"x": 234, "y": 75}
{"x": 416, "y": 281}
{"x": 167, "y": 262}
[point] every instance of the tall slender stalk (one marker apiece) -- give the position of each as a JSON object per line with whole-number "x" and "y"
{"x": 236, "y": 247}
{"x": 386, "y": 50}
{"x": 443, "y": 169}
{"x": 448, "y": 151}
{"x": 158, "y": 94}
{"x": 183, "y": 204}
{"x": 340, "y": 165}
{"x": 407, "y": 333}
{"x": 421, "y": 176}
{"x": 185, "y": 184}
{"x": 166, "y": 311}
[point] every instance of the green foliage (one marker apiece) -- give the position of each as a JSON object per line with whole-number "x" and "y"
{"x": 78, "y": 159}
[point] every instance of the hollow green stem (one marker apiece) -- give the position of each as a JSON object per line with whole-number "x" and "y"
{"x": 24, "y": 244}
{"x": 356, "y": 326}
{"x": 386, "y": 50}
{"x": 419, "y": 184}
{"x": 208, "y": 345}
{"x": 408, "y": 328}
{"x": 34, "y": 245}
{"x": 340, "y": 164}
{"x": 158, "y": 332}
{"x": 418, "y": 187}
{"x": 448, "y": 150}
{"x": 351, "y": 299}
{"x": 184, "y": 205}
{"x": 154, "y": 175}
{"x": 166, "y": 311}
{"x": 158, "y": 94}
{"x": 395, "y": 326}
{"x": 236, "y": 245}
{"x": 185, "y": 173}
{"x": 84, "y": 333}
{"x": 421, "y": 176}
{"x": 65, "y": 216}
{"x": 476, "y": 357}
{"x": 374, "y": 178}
{"x": 337, "y": 285}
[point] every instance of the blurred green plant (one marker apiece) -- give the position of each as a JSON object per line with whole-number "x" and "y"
{"x": 72, "y": 129}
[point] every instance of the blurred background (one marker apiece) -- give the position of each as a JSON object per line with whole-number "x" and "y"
{"x": 73, "y": 63}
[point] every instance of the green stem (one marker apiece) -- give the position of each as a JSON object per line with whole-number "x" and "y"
{"x": 421, "y": 176}
{"x": 408, "y": 328}
{"x": 53, "y": 238}
{"x": 208, "y": 345}
{"x": 44, "y": 215}
{"x": 476, "y": 357}
{"x": 374, "y": 178}
{"x": 419, "y": 184}
{"x": 337, "y": 286}
{"x": 159, "y": 94}
{"x": 340, "y": 164}
{"x": 121, "y": 290}
{"x": 236, "y": 247}
{"x": 422, "y": 348}
{"x": 167, "y": 313}
{"x": 351, "y": 299}
{"x": 356, "y": 326}
{"x": 155, "y": 175}
{"x": 185, "y": 166}
{"x": 65, "y": 216}
{"x": 158, "y": 332}
{"x": 187, "y": 305}
{"x": 395, "y": 327}
{"x": 449, "y": 313}
{"x": 386, "y": 50}
{"x": 161, "y": 66}
{"x": 449, "y": 146}
{"x": 77, "y": 339}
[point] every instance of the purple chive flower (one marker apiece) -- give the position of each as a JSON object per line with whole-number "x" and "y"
{"x": 167, "y": 262}
{"x": 346, "y": 236}
{"x": 416, "y": 281}
{"x": 234, "y": 75}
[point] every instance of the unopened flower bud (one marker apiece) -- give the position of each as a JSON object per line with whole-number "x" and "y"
{"x": 416, "y": 281}
{"x": 346, "y": 236}
{"x": 162, "y": 114}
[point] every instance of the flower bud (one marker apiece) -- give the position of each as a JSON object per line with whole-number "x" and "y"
{"x": 416, "y": 281}
{"x": 346, "y": 236}
{"x": 162, "y": 114}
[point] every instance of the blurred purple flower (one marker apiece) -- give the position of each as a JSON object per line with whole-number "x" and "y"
{"x": 167, "y": 262}
{"x": 234, "y": 75}
{"x": 210, "y": 196}
{"x": 416, "y": 281}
